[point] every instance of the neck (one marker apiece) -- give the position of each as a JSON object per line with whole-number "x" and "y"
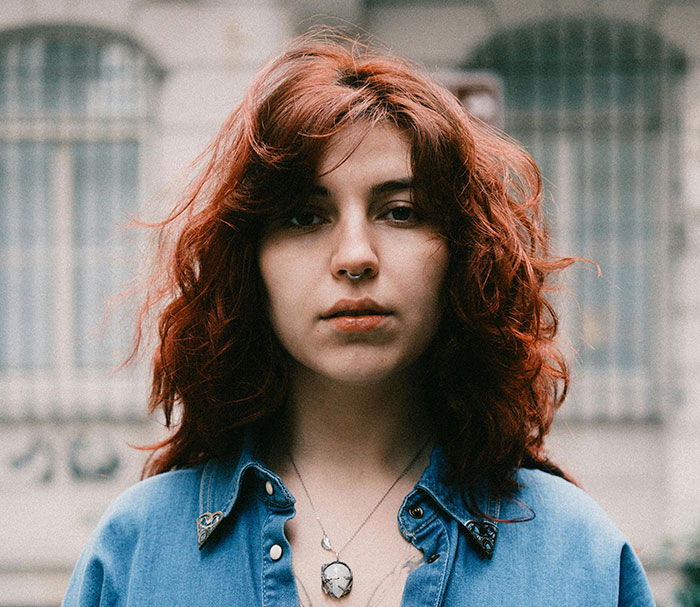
{"x": 340, "y": 424}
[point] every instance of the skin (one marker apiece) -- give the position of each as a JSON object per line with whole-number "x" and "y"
{"x": 355, "y": 417}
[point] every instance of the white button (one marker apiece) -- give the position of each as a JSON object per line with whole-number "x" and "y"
{"x": 276, "y": 552}
{"x": 269, "y": 488}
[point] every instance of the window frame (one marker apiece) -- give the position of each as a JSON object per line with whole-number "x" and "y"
{"x": 608, "y": 392}
{"x": 66, "y": 391}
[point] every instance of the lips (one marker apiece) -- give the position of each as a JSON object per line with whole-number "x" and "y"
{"x": 356, "y": 315}
{"x": 355, "y": 307}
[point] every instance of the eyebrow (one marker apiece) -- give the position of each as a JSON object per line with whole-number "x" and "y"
{"x": 385, "y": 187}
{"x": 393, "y": 185}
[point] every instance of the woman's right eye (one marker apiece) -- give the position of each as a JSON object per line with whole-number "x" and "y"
{"x": 305, "y": 219}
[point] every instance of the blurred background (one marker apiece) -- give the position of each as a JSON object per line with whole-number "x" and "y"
{"x": 103, "y": 103}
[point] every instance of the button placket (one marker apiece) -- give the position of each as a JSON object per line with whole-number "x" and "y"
{"x": 433, "y": 536}
{"x": 278, "y": 579}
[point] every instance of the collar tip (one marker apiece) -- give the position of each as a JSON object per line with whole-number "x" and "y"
{"x": 484, "y": 534}
{"x": 206, "y": 523}
{"x": 202, "y": 538}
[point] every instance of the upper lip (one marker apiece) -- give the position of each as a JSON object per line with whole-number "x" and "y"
{"x": 355, "y": 307}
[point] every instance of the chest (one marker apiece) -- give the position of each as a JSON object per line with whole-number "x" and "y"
{"x": 392, "y": 557}
{"x": 379, "y": 559}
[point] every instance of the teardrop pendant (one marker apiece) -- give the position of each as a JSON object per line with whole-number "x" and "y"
{"x": 326, "y": 543}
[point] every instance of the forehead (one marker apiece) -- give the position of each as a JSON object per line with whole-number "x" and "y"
{"x": 366, "y": 152}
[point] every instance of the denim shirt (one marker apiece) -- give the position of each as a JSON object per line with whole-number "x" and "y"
{"x": 205, "y": 536}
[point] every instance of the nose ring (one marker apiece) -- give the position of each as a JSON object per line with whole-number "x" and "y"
{"x": 352, "y": 276}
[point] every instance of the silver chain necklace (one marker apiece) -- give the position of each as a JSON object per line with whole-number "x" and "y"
{"x": 336, "y": 576}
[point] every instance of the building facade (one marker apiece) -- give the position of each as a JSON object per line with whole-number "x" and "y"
{"x": 103, "y": 105}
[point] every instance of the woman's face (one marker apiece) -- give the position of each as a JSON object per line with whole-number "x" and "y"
{"x": 361, "y": 220}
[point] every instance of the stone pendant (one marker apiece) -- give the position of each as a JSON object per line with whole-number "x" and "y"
{"x": 336, "y": 579}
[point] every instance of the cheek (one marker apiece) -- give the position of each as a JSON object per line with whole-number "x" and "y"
{"x": 281, "y": 279}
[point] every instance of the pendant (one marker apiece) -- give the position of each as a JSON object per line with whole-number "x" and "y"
{"x": 326, "y": 543}
{"x": 336, "y": 579}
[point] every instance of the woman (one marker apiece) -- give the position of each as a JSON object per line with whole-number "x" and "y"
{"x": 357, "y": 363}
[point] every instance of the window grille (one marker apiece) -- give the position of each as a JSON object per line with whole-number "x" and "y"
{"x": 75, "y": 109}
{"x": 595, "y": 102}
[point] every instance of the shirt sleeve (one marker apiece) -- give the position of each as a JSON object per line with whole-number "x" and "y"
{"x": 634, "y": 587}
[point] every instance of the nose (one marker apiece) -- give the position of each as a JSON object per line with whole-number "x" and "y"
{"x": 354, "y": 253}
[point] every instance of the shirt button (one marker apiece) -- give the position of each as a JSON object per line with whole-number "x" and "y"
{"x": 276, "y": 552}
{"x": 269, "y": 488}
{"x": 416, "y": 511}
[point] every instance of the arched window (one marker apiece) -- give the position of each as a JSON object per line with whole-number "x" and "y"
{"x": 595, "y": 103}
{"x": 75, "y": 108}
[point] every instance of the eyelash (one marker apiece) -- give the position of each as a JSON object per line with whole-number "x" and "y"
{"x": 293, "y": 219}
{"x": 413, "y": 214}
{"x": 316, "y": 218}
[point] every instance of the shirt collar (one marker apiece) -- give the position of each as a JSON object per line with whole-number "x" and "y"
{"x": 483, "y": 531}
{"x": 223, "y": 478}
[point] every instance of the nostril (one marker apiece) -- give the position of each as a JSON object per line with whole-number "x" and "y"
{"x": 367, "y": 272}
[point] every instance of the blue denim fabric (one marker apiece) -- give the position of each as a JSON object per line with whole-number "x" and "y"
{"x": 202, "y": 536}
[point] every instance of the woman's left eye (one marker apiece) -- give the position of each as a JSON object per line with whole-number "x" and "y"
{"x": 402, "y": 214}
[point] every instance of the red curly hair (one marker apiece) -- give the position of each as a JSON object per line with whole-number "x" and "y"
{"x": 495, "y": 376}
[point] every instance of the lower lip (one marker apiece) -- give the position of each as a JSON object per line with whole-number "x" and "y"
{"x": 357, "y": 324}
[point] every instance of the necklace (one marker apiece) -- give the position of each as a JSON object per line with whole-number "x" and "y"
{"x": 336, "y": 576}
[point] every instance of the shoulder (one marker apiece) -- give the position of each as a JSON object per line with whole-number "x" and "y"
{"x": 158, "y": 511}
{"x": 556, "y": 511}
{"x": 561, "y": 526}
{"x": 151, "y": 504}
{"x": 554, "y": 500}
{"x": 164, "y": 506}
{"x": 553, "y": 545}
{"x": 161, "y": 495}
